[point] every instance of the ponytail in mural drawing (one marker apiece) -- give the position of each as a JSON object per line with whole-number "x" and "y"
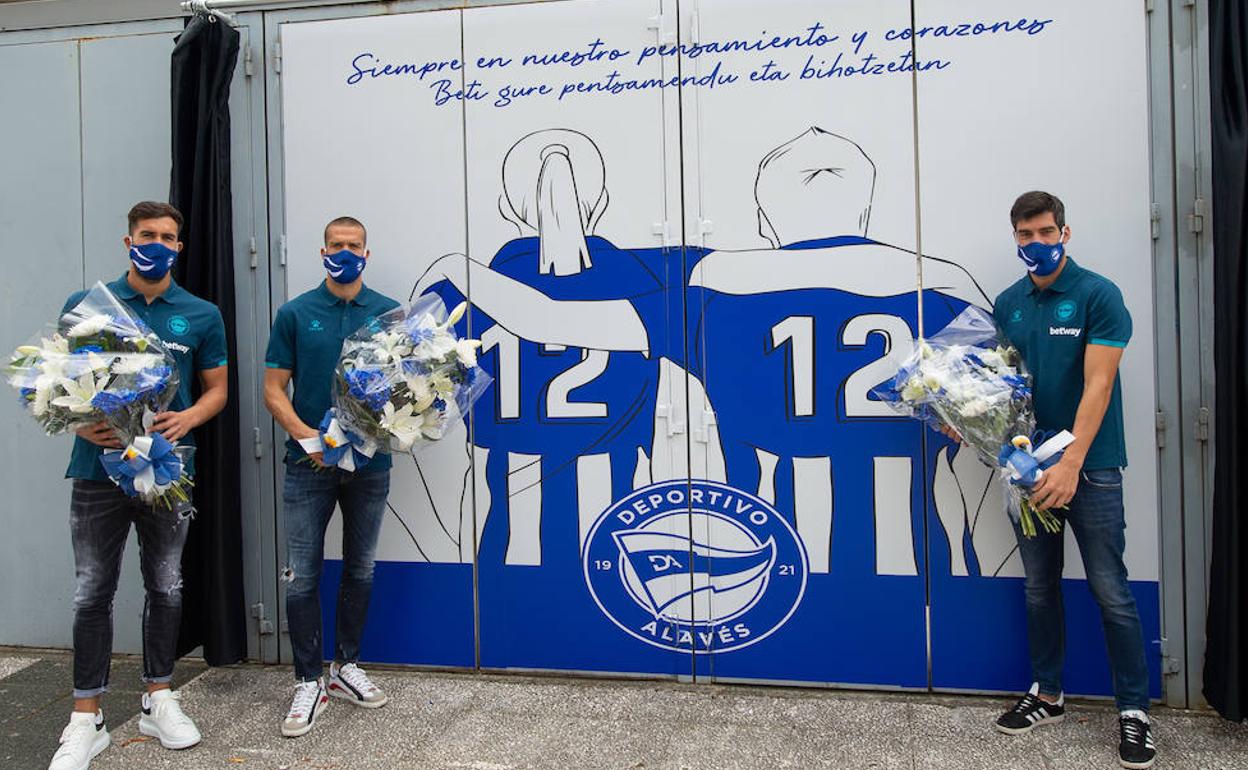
{"x": 554, "y": 187}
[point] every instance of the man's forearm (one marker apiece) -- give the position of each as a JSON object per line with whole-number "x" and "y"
{"x": 278, "y": 404}
{"x": 1092, "y": 406}
{"x": 209, "y": 405}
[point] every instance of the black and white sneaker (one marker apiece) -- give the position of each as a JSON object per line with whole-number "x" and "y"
{"x": 1135, "y": 745}
{"x": 1031, "y": 712}
{"x": 350, "y": 683}
{"x": 310, "y": 699}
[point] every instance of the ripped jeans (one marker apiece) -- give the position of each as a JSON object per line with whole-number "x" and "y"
{"x": 309, "y": 499}
{"x": 100, "y": 515}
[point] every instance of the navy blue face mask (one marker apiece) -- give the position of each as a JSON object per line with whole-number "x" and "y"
{"x": 153, "y": 261}
{"x": 344, "y": 266}
{"x": 1041, "y": 258}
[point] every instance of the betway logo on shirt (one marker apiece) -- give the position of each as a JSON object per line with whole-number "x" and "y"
{"x": 1064, "y": 331}
{"x": 176, "y": 346}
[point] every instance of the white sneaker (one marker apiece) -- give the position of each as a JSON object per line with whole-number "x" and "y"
{"x": 351, "y": 683}
{"x": 163, "y": 718}
{"x": 310, "y": 700}
{"x": 82, "y": 739}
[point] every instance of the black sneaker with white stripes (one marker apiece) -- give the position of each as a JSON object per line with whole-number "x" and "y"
{"x": 1135, "y": 745}
{"x": 1031, "y": 712}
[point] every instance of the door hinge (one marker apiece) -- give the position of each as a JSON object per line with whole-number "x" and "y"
{"x": 1149, "y": 6}
{"x": 248, "y": 65}
{"x": 674, "y": 425}
{"x": 256, "y": 444}
{"x": 277, "y": 57}
{"x": 703, "y": 434}
{"x": 1196, "y": 220}
{"x": 1202, "y": 424}
{"x": 254, "y": 250}
{"x": 281, "y": 249}
{"x": 1154, "y": 219}
{"x": 705, "y": 228}
{"x": 663, "y": 31}
{"x": 663, "y": 231}
{"x": 263, "y": 623}
{"x": 1159, "y": 425}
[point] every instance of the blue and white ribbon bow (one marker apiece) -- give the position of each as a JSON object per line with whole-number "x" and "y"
{"x": 147, "y": 468}
{"x": 1023, "y": 465}
{"x": 338, "y": 446}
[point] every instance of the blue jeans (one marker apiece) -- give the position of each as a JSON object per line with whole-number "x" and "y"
{"x": 310, "y": 496}
{"x": 1096, "y": 517}
{"x": 100, "y": 515}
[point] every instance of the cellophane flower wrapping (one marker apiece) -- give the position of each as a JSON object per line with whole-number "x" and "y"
{"x": 405, "y": 380}
{"x": 967, "y": 378}
{"x": 101, "y": 363}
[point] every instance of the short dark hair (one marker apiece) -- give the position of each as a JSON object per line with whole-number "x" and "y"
{"x": 1033, "y": 204}
{"x": 345, "y": 222}
{"x": 152, "y": 210}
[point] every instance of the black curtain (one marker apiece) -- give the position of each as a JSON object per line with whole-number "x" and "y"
{"x": 1226, "y": 652}
{"x": 203, "y": 62}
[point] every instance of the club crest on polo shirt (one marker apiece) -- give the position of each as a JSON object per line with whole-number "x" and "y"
{"x": 316, "y": 325}
{"x": 695, "y": 566}
{"x": 178, "y": 325}
{"x": 1065, "y": 310}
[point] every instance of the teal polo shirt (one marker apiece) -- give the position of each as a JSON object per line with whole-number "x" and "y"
{"x": 1052, "y": 328}
{"x": 192, "y": 331}
{"x": 307, "y": 338}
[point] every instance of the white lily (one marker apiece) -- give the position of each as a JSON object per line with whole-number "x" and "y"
{"x": 456, "y": 314}
{"x": 79, "y": 393}
{"x": 390, "y": 346}
{"x": 436, "y": 347}
{"x": 401, "y": 423}
{"x": 466, "y": 351}
{"x": 90, "y": 326}
{"x": 422, "y": 392}
{"x": 441, "y": 383}
{"x": 133, "y": 363}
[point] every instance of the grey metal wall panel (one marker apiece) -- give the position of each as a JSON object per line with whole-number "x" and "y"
{"x": 41, "y": 238}
{"x": 125, "y": 140}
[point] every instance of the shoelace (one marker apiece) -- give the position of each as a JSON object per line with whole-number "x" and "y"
{"x": 1133, "y": 731}
{"x": 355, "y": 676}
{"x": 75, "y": 734}
{"x": 1026, "y": 703}
{"x": 305, "y": 697}
{"x": 171, "y": 710}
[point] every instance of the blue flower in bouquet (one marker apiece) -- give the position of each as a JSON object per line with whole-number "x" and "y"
{"x": 88, "y": 349}
{"x": 110, "y": 402}
{"x": 368, "y": 386}
{"x": 153, "y": 380}
{"x": 1018, "y": 384}
{"x": 419, "y": 334}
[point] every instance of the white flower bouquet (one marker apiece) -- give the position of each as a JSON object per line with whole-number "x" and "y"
{"x": 401, "y": 383}
{"x": 101, "y": 363}
{"x": 965, "y": 378}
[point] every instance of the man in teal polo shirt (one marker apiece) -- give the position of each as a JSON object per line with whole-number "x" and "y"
{"x": 101, "y": 513}
{"x": 304, "y": 345}
{"x": 1071, "y": 327}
